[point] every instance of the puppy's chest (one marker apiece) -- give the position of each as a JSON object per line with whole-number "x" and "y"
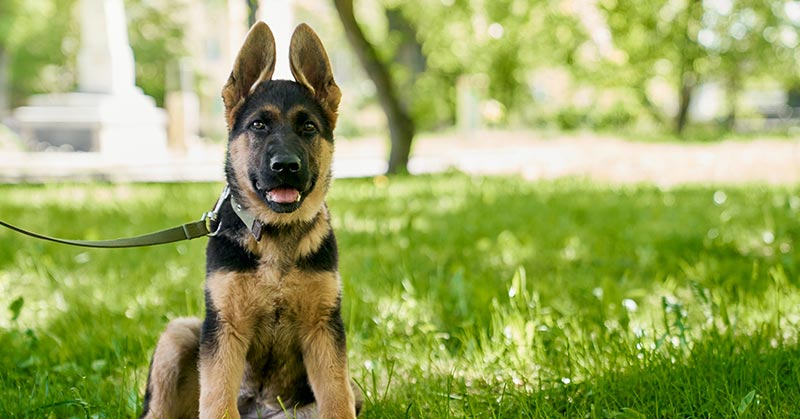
{"x": 275, "y": 292}
{"x": 281, "y": 300}
{"x": 274, "y": 299}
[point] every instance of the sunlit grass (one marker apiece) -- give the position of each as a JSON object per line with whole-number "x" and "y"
{"x": 464, "y": 297}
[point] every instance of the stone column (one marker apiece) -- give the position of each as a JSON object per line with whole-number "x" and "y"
{"x": 237, "y": 31}
{"x": 105, "y": 59}
{"x": 279, "y": 15}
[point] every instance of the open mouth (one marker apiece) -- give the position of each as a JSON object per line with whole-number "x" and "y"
{"x": 280, "y": 198}
{"x": 283, "y": 195}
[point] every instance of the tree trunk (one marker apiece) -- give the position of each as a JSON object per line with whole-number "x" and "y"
{"x": 651, "y": 108}
{"x": 4, "y": 91}
{"x": 409, "y": 51}
{"x": 252, "y": 12}
{"x": 732, "y": 96}
{"x": 401, "y": 127}
{"x": 690, "y": 52}
{"x": 684, "y": 100}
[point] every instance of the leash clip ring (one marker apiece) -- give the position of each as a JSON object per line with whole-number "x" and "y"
{"x": 212, "y": 216}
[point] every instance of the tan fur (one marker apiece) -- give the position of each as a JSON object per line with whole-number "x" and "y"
{"x": 283, "y": 255}
{"x": 308, "y": 62}
{"x": 313, "y": 239}
{"x": 221, "y": 372}
{"x": 254, "y": 63}
{"x": 240, "y": 300}
{"x": 175, "y": 367}
{"x": 327, "y": 369}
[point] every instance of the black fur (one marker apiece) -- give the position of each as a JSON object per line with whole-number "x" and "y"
{"x": 208, "y": 333}
{"x": 222, "y": 253}
{"x": 326, "y": 258}
{"x": 148, "y": 394}
{"x": 288, "y": 233}
{"x": 336, "y": 326}
{"x": 285, "y": 95}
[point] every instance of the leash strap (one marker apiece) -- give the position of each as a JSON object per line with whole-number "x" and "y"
{"x": 209, "y": 225}
{"x": 186, "y": 231}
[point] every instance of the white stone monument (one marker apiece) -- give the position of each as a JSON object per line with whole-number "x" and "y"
{"x": 280, "y": 16}
{"x": 108, "y": 113}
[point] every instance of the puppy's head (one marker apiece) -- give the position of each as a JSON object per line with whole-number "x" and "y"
{"x": 280, "y": 132}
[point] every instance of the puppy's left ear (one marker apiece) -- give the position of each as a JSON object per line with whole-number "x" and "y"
{"x": 254, "y": 64}
{"x": 312, "y": 68}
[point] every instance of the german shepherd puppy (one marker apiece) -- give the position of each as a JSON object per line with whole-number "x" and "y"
{"x": 272, "y": 344}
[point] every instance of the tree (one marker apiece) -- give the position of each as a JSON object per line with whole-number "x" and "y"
{"x": 50, "y": 27}
{"x": 401, "y": 126}
{"x": 7, "y": 11}
{"x": 40, "y": 41}
{"x": 752, "y": 38}
{"x": 503, "y": 41}
{"x": 252, "y": 12}
{"x": 156, "y": 35}
{"x": 650, "y": 35}
{"x": 696, "y": 41}
{"x": 424, "y": 47}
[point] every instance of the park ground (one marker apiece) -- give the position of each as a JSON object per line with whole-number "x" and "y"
{"x": 547, "y": 292}
{"x": 532, "y": 155}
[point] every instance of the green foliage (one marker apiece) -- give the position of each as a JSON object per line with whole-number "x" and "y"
{"x": 463, "y": 297}
{"x": 156, "y": 36}
{"x": 500, "y": 40}
{"x": 654, "y": 51}
{"x": 682, "y": 44}
{"x": 571, "y": 118}
{"x": 41, "y": 39}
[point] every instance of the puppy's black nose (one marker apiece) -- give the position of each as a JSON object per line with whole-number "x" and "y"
{"x": 285, "y": 162}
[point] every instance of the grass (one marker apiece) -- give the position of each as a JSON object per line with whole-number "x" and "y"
{"x": 464, "y": 297}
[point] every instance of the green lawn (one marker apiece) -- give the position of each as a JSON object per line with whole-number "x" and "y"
{"x": 464, "y": 297}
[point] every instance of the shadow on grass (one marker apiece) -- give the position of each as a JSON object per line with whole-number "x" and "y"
{"x": 722, "y": 377}
{"x": 460, "y": 239}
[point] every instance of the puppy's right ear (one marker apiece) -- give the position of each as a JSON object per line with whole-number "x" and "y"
{"x": 254, "y": 63}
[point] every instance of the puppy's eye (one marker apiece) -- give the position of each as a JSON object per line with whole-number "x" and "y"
{"x": 258, "y": 125}
{"x": 309, "y": 128}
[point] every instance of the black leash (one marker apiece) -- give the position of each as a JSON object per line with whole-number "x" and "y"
{"x": 209, "y": 225}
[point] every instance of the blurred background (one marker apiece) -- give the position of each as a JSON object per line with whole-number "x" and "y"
{"x": 120, "y": 79}
{"x": 658, "y": 272}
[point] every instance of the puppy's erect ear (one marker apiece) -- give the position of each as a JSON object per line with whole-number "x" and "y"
{"x": 254, "y": 63}
{"x": 310, "y": 66}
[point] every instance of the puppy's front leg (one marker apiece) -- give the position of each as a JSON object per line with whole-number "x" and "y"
{"x": 225, "y": 339}
{"x": 325, "y": 358}
{"x": 221, "y": 369}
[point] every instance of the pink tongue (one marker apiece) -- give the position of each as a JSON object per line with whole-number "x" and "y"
{"x": 284, "y": 195}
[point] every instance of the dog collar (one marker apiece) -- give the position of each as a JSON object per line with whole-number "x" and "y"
{"x": 254, "y": 225}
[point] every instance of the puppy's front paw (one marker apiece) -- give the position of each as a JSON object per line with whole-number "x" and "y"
{"x": 228, "y": 412}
